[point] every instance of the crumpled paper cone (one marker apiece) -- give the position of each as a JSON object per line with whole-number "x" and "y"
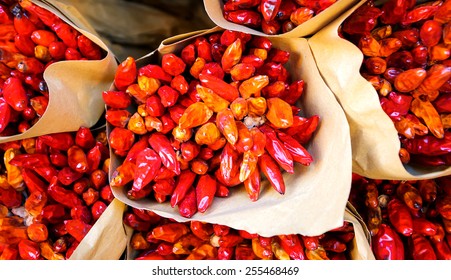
{"x": 75, "y": 87}
{"x": 214, "y": 9}
{"x": 316, "y": 195}
{"x": 375, "y": 143}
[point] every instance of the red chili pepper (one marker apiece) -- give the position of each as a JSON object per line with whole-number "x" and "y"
{"x": 429, "y": 145}
{"x": 14, "y": 94}
{"x": 33, "y": 182}
{"x": 297, "y": 151}
{"x": 147, "y": 165}
{"x": 77, "y": 228}
{"x": 66, "y": 197}
{"x": 421, "y": 248}
{"x": 387, "y": 244}
{"x": 60, "y": 141}
{"x": 292, "y": 244}
{"x": 269, "y": 9}
{"x": 400, "y": 217}
{"x": 29, "y": 250}
{"x": 229, "y": 165}
{"x": 272, "y": 172}
{"x": 248, "y": 18}
{"x": 205, "y": 192}
{"x": 88, "y": 48}
{"x": 424, "y": 227}
{"x": 219, "y": 86}
{"x": 172, "y": 64}
{"x": 133, "y": 221}
{"x": 77, "y": 160}
{"x": 185, "y": 181}
{"x": 30, "y": 160}
{"x": 188, "y": 205}
{"x": 155, "y": 71}
{"x": 277, "y": 150}
{"x": 161, "y": 144}
{"x": 5, "y": 114}
{"x": 363, "y": 20}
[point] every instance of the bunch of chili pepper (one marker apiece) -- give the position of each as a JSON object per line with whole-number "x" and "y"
{"x": 216, "y": 115}
{"x": 273, "y": 17}
{"x": 53, "y": 188}
{"x": 32, "y": 38}
{"x": 159, "y": 238}
{"x": 406, "y": 50}
{"x": 407, "y": 219}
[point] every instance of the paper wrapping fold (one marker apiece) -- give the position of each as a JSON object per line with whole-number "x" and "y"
{"x": 214, "y": 9}
{"x": 75, "y": 87}
{"x": 375, "y": 143}
{"x": 107, "y": 239}
{"x": 359, "y": 249}
{"x": 315, "y": 195}
{"x": 361, "y": 245}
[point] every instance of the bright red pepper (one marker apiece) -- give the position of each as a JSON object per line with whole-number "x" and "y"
{"x": 161, "y": 144}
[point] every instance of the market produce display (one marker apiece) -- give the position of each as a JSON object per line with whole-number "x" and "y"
{"x": 273, "y": 16}
{"x": 53, "y": 189}
{"x": 31, "y": 39}
{"x": 407, "y": 219}
{"x": 214, "y": 116}
{"x": 158, "y": 238}
{"x": 406, "y": 58}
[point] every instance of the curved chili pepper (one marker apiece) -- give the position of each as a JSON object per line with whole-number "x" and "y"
{"x": 424, "y": 226}
{"x": 205, "y": 192}
{"x": 272, "y": 172}
{"x": 188, "y": 205}
{"x": 14, "y": 94}
{"x": 297, "y": 151}
{"x": 66, "y": 197}
{"x": 185, "y": 181}
{"x": 277, "y": 150}
{"x": 219, "y": 86}
{"x": 387, "y": 244}
{"x": 148, "y": 163}
{"x": 232, "y": 55}
{"x": 229, "y": 165}
{"x": 161, "y": 144}
{"x": 400, "y": 217}
{"x": 252, "y": 184}
{"x": 410, "y": 196}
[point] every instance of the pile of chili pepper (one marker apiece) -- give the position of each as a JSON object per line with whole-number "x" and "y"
{"x": 32, "y": 38}
{"x": 159, "y": 238}
{"x": 407, "y": 219}
{"x": 407, "y": 50}
{"x": 273, "y": 17}
{"x": 216, "y": 115}
{"x": 53, "y": 188}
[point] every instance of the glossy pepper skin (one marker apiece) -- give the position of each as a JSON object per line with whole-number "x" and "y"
{"x": 387, "y": 244}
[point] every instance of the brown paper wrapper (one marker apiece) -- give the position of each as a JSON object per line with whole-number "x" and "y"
{"x": 361, "y": 245}
{"x": 315, "y": 195}
{"x": 75, "y": 87}
{"x": 107, "y": 239}
{"x": 214, "y": 9}
{"x": 375, "y": 143}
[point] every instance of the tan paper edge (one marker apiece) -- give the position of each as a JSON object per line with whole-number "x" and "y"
{"x": 214, "y": 10}
{"x": 361, "y": 245}
{"x": 75, "y": 87}
{"x": 107, "y": 239}
{"x": 373, "y": 135}
{"x": 316, "y": 196}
